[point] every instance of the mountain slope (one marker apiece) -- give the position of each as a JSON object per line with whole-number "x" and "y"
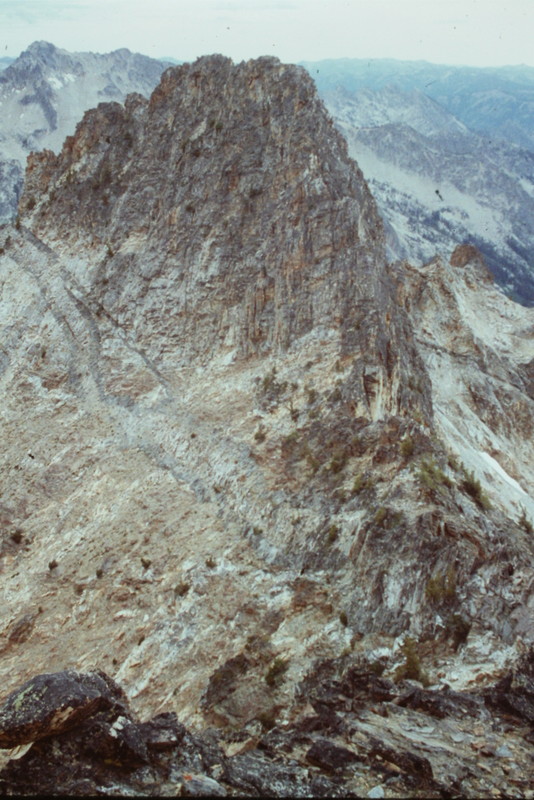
{"x": 496, "y": 102}
{"x": 45, "y": 91}
{"x": 227, "y": 454}
{"x": 437, "y": 182}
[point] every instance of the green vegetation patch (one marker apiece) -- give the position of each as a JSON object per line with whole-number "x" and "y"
{"x": 275, "y": 675}
{"x": 431, "y": 476}
{"x": 411, "y": 668}
{"x": 441, "y": 588}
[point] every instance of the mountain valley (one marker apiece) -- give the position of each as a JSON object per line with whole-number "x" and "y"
{"x": 449, "y": 158}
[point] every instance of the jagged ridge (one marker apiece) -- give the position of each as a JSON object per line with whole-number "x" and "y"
{"x": 217, "y": 347}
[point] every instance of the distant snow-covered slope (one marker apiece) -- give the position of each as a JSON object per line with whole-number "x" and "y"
{"x": 373, "y": 107}
{"x": 439, "y": 183}
{"x": 44, "y": 93}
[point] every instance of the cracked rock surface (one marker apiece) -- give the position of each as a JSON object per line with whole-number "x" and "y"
{"x": 365, "y": 736}
{"x": 239, "y": 447}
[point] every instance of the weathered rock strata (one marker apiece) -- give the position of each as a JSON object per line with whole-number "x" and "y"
{"x": 232, "y": 187}
{"x": 355, "y": 734}
{"x": 231, "y": 446}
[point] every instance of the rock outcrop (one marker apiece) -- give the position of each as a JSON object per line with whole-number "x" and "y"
{"x": 356, "y": 734}
{"x": 232, "y": 186}
{"x": 232, "y": 447}
{"x": 48, "y": 705}
{"x": 44, "y": 93}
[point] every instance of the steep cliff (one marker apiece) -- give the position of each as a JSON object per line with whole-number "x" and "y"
{"x": 232, "y": 185}
{"x": 230, "y": 448}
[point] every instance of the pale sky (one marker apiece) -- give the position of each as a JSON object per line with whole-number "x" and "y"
{"x": 470, "y": 32}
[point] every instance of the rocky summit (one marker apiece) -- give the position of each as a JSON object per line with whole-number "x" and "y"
{"x": 272, "y": 486}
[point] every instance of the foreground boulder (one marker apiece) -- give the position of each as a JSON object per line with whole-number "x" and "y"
{"x": 52, "y": 703}
{"x": 84, "y": 735}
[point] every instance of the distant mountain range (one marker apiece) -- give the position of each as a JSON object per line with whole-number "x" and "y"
{"x": 43, "y": 95}
{"x": 448, "y": 153}
{"x": 494, "y": 101}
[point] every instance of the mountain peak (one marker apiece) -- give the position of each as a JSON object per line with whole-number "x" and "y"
{"x": 247, "y": 460}
{"x": 238, "y": 156}
{"x": 41, "y": 47}
{"x": 467, "y": 254}
{"x": 44, "y": 93}
{"x": 41, "y": 51}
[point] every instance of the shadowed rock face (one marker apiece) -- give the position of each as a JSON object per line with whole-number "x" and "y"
{"x": 231, "y": 186}
{"x": 233, "y": 223}
{"x": 48, "y": 705}
{"x": 220, "y": 440}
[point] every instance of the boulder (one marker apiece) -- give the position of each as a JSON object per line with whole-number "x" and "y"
{"x": 52, "y": 703}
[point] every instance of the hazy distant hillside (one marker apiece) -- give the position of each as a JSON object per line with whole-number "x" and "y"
{"x": 44, "y": 93}
{"x": 498, "y": 101}
{"x": 417, "y": 132}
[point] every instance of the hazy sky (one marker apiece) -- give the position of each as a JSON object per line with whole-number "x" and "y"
{"x": 477, "y": 32}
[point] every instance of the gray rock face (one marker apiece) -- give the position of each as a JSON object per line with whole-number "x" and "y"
{"x": 256, "y": 216}
{"x": 242, "y": 440}
{"x": 44, "y": 93}
{"x": 359, "y": 740}
{"x": 11, "y": 177}
{"x": 230, "y": 205}
{"x": 50, "y": 704}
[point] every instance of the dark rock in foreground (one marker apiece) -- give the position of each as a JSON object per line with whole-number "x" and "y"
{"x": 51, "y": 704}
{"x": 87, "y": 741}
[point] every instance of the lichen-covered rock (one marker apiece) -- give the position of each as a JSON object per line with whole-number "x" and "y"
{"x": 329, "y": 756}
{"x": 52, "y": 703}
{"x": 201, "y": 786}
{"x": 84, "y": 737}
{"x": 344, "y": 751}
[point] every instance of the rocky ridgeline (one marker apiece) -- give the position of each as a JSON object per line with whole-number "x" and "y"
{"x": 44, "y": 93}
{"x": 232, "y": 186}
{"x": 239, "y": 446}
